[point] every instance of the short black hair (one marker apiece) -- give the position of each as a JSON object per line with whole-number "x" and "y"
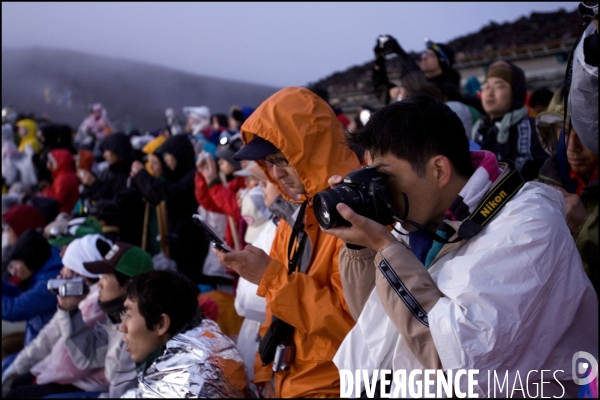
{"x": 168, "y": 292}
{"x": 416, "y": 129}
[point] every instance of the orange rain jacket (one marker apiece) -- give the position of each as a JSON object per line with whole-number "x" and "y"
{"x": 306, "y": 130}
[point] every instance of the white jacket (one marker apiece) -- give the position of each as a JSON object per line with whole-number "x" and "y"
{"x": 515, "y": 298}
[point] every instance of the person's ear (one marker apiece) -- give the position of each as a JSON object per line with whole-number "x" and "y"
{"x": 442, "y": 169}
{"x": 163, "y": 324}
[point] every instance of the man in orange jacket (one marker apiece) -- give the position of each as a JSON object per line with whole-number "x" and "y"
{"x": 296, "y": 139}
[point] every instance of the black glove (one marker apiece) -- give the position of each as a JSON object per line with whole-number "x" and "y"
{"x": 387, "y": 44}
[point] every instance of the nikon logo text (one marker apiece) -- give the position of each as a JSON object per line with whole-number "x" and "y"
{"x": 491, "y": 205}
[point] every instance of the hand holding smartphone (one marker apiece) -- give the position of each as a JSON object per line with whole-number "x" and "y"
{"x": 217, "y": 242}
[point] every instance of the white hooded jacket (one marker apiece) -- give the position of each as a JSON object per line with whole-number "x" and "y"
{"x": 514, "y": 298}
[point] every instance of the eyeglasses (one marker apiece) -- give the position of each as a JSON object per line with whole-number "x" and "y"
{"x": 275, "y": 161}
{"x": 496, "y": 86}
{"x": 123, "y": 315}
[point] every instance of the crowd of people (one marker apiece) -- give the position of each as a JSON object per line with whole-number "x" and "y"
{"x": 443, "y": 231}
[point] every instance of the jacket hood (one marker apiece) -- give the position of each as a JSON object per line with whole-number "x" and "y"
{"x": 30, "y": 138}
{"x": 64, "y": 161}
{"x": 304, "y": 127}
{"x": 180, "y": 147}
{"x": 119, "y": 144}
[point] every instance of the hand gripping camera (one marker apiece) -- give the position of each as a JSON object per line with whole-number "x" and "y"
{"x": 364, "y": 191}
{"x": 67, "y": 287}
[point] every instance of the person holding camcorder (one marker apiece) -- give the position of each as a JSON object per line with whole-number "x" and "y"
{"x": 500, "y": 259}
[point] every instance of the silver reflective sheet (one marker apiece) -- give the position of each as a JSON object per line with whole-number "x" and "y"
{"x": 202, "y": 362}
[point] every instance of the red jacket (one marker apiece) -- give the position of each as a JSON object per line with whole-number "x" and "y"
{"x": 222, "y": 199}
{"x": 65, "y": 187}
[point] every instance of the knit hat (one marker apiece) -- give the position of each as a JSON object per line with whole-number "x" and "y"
{"x": 60, "y": 235}
{"x": 22, "y": 217}
{"x": 86, "y": 249}
{"x": 444, "y": 53}
{"x": 33, "y": 249}
{"x": 545, "y": 120}
{"x": 123, "y": 257}
{"x": 514, "y": 76}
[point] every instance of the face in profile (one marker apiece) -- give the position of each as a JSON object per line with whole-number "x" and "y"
{"x": 110, "y": 156}
{"x": 109, "y": 288}
{"x": 155, "y": 165}
{"x": 139, "y": 340}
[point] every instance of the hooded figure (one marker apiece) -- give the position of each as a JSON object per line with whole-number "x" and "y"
{"x": 305, "y": 129}
{"x": 65, "y": 185}
{"x": 52, "y": 136}
{"x": 27, "y": 132}
{"x": 34, "y": 261}
{"x": 112, "y": 184}
{"x": 47, "y": 357}
{"x": 187, "y": 245}
{"x": 506, "y": 129}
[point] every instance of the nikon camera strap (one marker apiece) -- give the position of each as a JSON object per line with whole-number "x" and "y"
{"x": 488, "y": 208}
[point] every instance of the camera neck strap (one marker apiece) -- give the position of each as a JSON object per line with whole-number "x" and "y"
{"x": 488, "y": 208}
{"x": 298, "y": 237}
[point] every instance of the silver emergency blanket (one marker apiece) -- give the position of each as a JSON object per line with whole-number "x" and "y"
{"x": 202, "y": 362}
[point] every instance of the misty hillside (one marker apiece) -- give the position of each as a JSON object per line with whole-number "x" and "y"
{"x": 62, "y": 84}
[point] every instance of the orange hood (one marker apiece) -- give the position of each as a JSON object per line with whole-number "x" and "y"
{"x": 304, "y": 127}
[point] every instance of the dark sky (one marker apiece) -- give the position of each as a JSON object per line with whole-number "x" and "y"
{"x": 280, "y": 44}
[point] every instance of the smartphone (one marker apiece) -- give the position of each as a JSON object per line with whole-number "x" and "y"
{"x": 217, "y": 242}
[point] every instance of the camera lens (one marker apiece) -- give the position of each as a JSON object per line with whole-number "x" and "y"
{"x": 325, "y": 202}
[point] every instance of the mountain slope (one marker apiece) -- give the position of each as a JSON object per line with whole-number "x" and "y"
{"x": 63, "y": 83}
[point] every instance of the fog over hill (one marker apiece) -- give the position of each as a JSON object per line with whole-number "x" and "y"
{"x": 62, "y": 84}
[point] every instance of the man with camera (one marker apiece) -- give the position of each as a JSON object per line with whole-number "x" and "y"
{"x": 499, "y": 265}
{"x": 297, "y": 141}
{"x": 102, "y": 346}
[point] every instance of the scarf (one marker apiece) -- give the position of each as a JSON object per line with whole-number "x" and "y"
{"x": 501, "y": 128}
{"x": 469, "y": 197}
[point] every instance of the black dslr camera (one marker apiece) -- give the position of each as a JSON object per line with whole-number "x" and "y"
{"x": 364, "y": 191}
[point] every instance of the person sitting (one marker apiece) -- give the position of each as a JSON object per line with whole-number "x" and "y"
{"x": 506, "y": 130}
{"x": 186, "y": 244}
{"x": 501, "y": 286}
{"x": 65, "y": 185}
{"x": 112, "y": 184}
{"x": 33, "y": 262}
{"x": 46, "y": 358}
{"x": 297, "y": 141}
{"x": 178, "y": 353}
{"x": 102, "y": 346}
{"x": 575, "y": 174}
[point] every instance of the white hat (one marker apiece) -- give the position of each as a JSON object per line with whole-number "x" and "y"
{"x": 83, "y": 250}
{"x": 255, "y": 213}
{"x": 201, "y": 112}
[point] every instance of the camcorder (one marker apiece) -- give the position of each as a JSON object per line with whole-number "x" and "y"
{"x": 67, "y": 287}
{"x": 588, "y": 10}
{"x": 365, "y": 191}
